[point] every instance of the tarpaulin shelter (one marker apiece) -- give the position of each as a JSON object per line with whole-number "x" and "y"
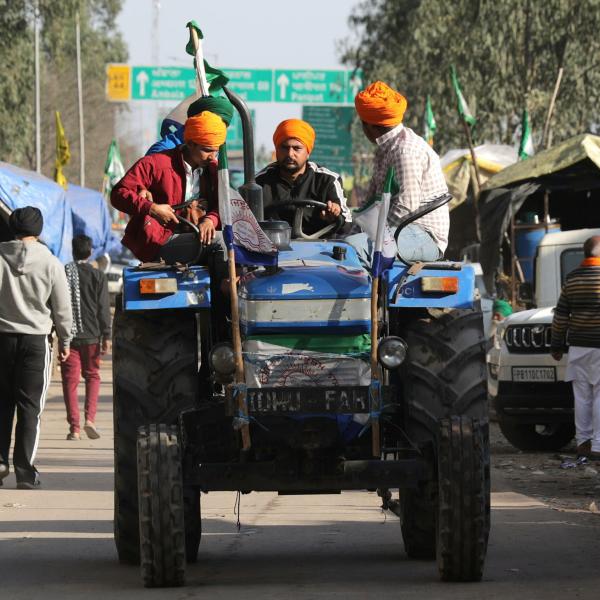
{"x": 462, "y": 184}
{"x": 561, "y": 184}
{"x": 91, "y": 217}
{"x": 20, "y": 187}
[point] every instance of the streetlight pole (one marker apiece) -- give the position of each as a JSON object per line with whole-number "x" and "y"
{"x": 36, "y": 52}
{"x": 80, "y": 103}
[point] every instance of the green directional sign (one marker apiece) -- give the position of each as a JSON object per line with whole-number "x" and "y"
{"x": 170, "y": 84}
{"x": 333, "y": 144}
{"x": 253, "y": 85}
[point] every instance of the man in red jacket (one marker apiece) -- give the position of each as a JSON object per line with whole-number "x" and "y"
{"x": 157, "y": 182}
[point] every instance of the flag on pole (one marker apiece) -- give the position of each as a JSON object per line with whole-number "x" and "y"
{"x": 463, "y": 109}
{"x": 210, "y": 80}
{"x": 63, "y": 154}
{"x": 372, "y": 219}
{"x": 240, "y": 227}
{"x": 430, "y": 125}
{"x": 526, "y": 148}
{"x": 113, "y": 169}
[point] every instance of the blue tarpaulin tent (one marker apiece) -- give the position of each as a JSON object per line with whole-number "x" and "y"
{"x": 91, "y": 218}
{"x": 19, "y": 187}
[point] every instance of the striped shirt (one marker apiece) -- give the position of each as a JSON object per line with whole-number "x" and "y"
{"x": 418, "y": 174}
{"x": 576, "y": 319}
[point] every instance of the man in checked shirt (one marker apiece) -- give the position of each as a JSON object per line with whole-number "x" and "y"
{"x": 418, "y": 174}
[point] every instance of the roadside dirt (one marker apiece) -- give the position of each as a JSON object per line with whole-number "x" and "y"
{"x": 539, "y": 475}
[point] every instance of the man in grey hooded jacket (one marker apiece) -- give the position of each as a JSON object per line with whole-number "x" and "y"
{"x": 33, "y": 295}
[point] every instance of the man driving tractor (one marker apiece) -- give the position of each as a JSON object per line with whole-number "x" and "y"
{"x": 294, "y": 177}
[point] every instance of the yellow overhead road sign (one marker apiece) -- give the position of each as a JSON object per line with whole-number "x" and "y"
{"x": 118, "y": 83}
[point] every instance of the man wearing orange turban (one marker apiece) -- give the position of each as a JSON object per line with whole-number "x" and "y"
{"x": 294, "y": 177}
{"x": 418, "y": 174}
{"x": 157, "y": 182}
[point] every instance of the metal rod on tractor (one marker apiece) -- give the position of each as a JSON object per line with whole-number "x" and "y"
{"x": 235, "y": 315}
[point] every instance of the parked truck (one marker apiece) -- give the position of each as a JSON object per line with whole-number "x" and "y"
{"x": 316, "y": 417}
{"x": 532, "y": 400}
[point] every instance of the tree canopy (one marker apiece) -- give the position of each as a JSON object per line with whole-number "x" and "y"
{"x": 100, "y": 44}
{"x": 507, "y": 54}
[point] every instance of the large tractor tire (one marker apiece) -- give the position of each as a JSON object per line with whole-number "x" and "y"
{"x": 464, "y": 499}
{"x": 530, "y": 437}
{"x": 161, "y": 507}
{"x": 443, "y": 375}
{"x": 155, "y": 377}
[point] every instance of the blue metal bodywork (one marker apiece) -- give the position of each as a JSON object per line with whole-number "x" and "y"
{"x": 307, "y": 272}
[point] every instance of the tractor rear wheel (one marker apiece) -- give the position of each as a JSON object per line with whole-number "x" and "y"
{"x": 443, "y": 375}
{"x": 161, "y": 508}
{"x": 155, "y": 378}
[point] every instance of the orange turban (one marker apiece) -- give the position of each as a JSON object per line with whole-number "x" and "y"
{"x": 206, "y": 129}
{"x": 297, "y": 129}
{"x": 379, "y": 104}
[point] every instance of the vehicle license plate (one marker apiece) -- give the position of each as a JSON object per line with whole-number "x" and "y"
{"x": 346, "y": 399}
{"x": 534, "y": 374}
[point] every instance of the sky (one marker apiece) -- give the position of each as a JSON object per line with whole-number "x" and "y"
{"x": 237, "y": 34}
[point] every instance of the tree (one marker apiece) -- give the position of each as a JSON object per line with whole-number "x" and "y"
{"x": 507, "y": 54}
{"x": 100, "y": 45}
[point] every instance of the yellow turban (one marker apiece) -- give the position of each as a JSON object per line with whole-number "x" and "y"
{"x": 297, "y": 129}
{"x": 206, "y": 129}
{"x": 379, "y": 104}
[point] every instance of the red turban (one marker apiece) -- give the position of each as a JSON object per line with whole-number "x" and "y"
{"x": 206, "y": 129}
{"x": 297, "y": 129}
{"x": 379, "y": 104}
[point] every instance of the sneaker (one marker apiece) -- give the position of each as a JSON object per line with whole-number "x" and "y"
{"x": 29, "y": 485}
{"x": 4, "y": 471}
{"x": 584, "y": 448}
{"x": 91, "y": 431}
{"x": 73, "y": 436}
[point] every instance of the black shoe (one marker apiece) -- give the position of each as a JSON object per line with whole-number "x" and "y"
{"x": 28, "y": 485}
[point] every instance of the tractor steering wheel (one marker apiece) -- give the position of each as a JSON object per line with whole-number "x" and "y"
{"x": 298, "y": 205}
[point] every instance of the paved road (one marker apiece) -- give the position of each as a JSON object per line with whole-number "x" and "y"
{"x": 56, "y": 542}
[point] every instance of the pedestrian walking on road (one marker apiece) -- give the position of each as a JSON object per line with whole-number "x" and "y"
{"x": 33, "y": 294}
{"x": 91, "y": 335}
{"x": 577, "y": 323}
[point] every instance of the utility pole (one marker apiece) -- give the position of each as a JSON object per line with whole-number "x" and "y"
{"x": 80, "y": 103}
{"x": 36, "y": 51}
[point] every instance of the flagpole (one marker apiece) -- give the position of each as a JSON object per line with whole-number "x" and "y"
{"x": 477, "y": 177}
{"x": 233, "y": 293}
{"x": 36, "y": 52}
{"x": 546, "y": 133}
{"x": 375, "y": 429}
{"x": 80, "y": 104}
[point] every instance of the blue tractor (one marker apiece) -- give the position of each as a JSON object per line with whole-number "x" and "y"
{"x": 338, "y": 393}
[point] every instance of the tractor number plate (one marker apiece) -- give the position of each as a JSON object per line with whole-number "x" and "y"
{"x": 344, "y": 399}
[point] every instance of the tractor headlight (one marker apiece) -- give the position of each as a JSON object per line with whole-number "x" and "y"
{"x": 391, "y": 352}
{"x": 222, "y": 361}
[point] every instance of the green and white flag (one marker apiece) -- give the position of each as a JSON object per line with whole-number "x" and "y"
{"x": 526, "y": 148}
{"x": 463, "y": 109}
{"x": 113, "y": 169}
{"x": 429, "y": 124}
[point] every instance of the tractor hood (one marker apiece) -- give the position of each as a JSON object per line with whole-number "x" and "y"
{"x": 310, "y": 289}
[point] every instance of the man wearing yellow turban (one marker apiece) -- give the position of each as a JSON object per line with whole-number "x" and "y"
{"x": 418, "y": 173}
{"x": 294, "y": 177}
{"x": 157, "y": 182}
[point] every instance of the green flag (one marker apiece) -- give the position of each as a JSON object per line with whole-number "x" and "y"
{"x": 526, "y": 148}
{"x": 113, "y": 169}
{"x": 463, "y": 109}
{"x": 215, "y": 78}
{"x": 429, "y": 125}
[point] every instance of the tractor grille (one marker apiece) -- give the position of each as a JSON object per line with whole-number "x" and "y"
{"x": 528, "y": 339}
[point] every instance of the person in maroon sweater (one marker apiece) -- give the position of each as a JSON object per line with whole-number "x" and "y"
{"x": 157, "y": 182}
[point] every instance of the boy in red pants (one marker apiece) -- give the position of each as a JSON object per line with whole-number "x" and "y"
{"x": 91, "y": 335}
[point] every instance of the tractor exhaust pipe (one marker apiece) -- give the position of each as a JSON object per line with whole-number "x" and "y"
{"x": 251, "y": 192}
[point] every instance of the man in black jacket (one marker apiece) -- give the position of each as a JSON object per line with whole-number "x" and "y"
{"x": 91, "y": 335}
{"x": 294, "y": 177}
